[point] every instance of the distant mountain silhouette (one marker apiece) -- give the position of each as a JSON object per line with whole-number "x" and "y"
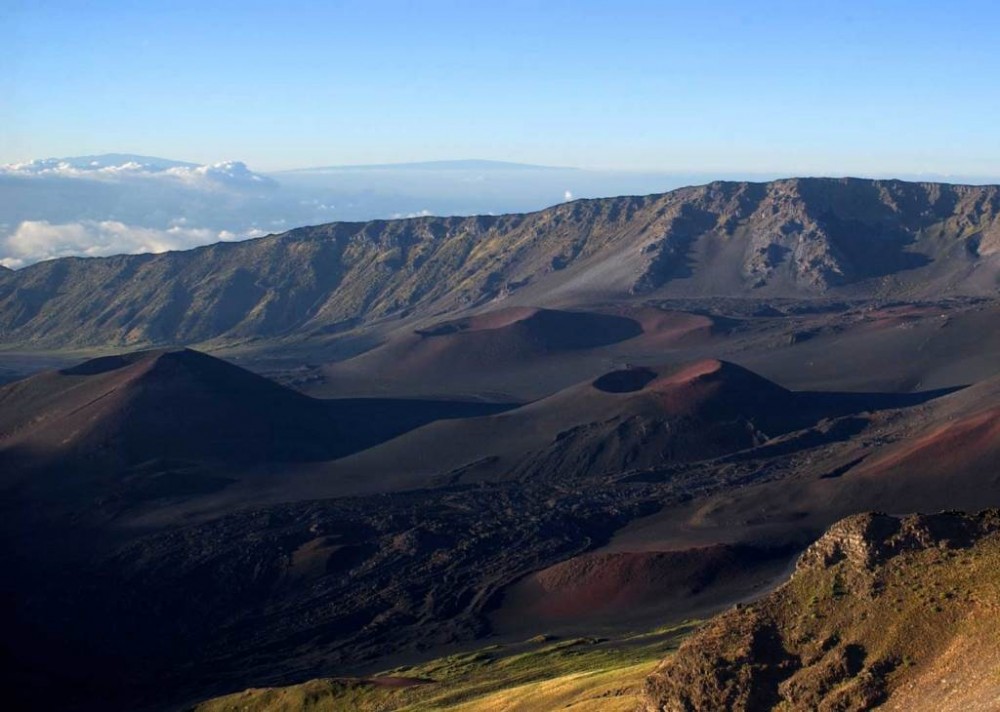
{"x": 105, "y": 160}
{"x": 468, "y": 164}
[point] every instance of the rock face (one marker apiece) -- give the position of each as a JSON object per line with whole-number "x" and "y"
{"x": 869, "y": 617}
{"x": 868, "y": 541}
{"x": 796, "y": 237}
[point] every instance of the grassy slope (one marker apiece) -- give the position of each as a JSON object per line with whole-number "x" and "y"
{"x": 587, "y": 674}
{"x": 915, "y": 632}
{"x": 932, "y": 601}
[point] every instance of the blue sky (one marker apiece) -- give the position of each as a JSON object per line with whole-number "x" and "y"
{"x": 804, "y": 87}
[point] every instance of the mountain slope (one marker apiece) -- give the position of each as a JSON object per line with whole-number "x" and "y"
{"x": 524, "y": 351}
{"x": 682, "y": 414}
{"x": 631, "y": 419}
{"x": 797, "y": 237}
{"x": 958, "y": 434}
{"x": 160, "y": 404}
{"x": 895, "y": 613}
{"x": 940, "y": 454}
{"x": 179, "y": 422}
{"x": 494, "y": 339}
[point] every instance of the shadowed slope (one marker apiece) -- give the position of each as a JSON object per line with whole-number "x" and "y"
{"x": 493, "y": 339}
{"x": 942, "y": 454}
{"x": 159, "y": 413}
{"x": 630, "y": 419}
{"x": 960, "y": 434}
{"x": 527, "y": 351}
{"x": 183, "y": 404}
{"x": 683, "y": 414}
{"x": 914, "y": 456}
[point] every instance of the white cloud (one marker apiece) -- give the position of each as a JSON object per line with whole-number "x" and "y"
{"x": 36, "y": 240}
{"x": 317, "y": 204}
{"x": 227, "y": 174}
{"x": 567, "y": 196}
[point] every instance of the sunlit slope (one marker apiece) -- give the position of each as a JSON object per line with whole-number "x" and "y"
{"x": 881, "y": 612}
{"x": 539, "y": 675}
{"x": 799, "y": 237}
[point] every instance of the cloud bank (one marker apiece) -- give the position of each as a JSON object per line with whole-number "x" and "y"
{"x": 118, "y": 168}
{"x": 125, "y": 203}
{"x": 36, "y": 240}
{"x": 94, "y": 206}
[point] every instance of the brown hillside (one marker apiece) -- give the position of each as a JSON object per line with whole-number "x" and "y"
{"x": 634, "y": 418}
{"x": 599, "y": 590}
{"x": 162, "y": 423}
{"x": 160, "y": 404}
{"x": 881, "y": 612}
{"x": 493, "y": 339}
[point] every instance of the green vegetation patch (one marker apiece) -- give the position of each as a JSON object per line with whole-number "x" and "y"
{"x": 461, "y": 680}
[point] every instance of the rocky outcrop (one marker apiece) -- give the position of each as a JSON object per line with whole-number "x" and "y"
{"x": 868, "y": 540}
{"x": 738, "y": 665}
{"x": 871, "y": 608}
